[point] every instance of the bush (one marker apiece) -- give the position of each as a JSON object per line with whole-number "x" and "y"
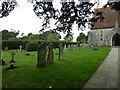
{"x": 32, "y": 46}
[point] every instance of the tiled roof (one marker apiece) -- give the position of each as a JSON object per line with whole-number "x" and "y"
{"x": 111, "y": 17}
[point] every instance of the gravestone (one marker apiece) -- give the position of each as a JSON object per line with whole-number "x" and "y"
{"x": 6, "y": 48}
{"x": 68, "y": 47}
{"x": 12, "y": 60}
{"x": 77, "y": 47}
{"x": 61, "y": 51}
{"x": 11, "y": 67}
{"x": 50, "y": 58}
{"x": 72, "y": 47}
{"x": 64, "y": 46}
{"x": 2, "y": 62}
{"x": 20, "y": 48}
{"x": 92, "y": 47}
{"x": 42, "y": 55}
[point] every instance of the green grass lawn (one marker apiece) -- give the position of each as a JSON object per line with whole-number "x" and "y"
{"x": 73, "y": 72}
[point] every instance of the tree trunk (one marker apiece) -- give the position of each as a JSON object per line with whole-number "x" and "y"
{"x": 61, "y": 51}
{"x": 42, "y": 55}
{"x": 50, "y": 59}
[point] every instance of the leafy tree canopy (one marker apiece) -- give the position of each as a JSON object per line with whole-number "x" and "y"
{"x": 70, "y": 13}
{"x": 50, "y": 33}
{"x": 68, "y": 37}
{"x": 6, "y": 7}
{"x": 6, "y": 35}
{"x": 81, "y": 37}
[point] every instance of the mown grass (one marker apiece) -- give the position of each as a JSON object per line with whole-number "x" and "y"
{"x": 73, "y": 72}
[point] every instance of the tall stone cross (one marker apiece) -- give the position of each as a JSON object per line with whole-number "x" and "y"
{"x": 12, "y": 60}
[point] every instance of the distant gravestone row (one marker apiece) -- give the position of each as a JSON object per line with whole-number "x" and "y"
{"x": 73, "y": 47}
{"x": 20, "y": 48}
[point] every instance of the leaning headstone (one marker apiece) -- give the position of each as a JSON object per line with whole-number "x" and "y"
{"x": 61, "y": 51}
{"x": 11, "y": 67}
{"x": 12, "y": 60}
{"x": 50, "y": 58}
{"x": 42, "y": 55}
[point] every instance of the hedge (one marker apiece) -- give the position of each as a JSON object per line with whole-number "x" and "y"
{"x": 14, "y": 44}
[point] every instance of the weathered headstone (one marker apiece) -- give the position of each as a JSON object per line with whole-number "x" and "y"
{"x": 64, "y": 46}
{"x": 2, "y": 62}
{"x": 20, "y": 48}
{"x": 42, "y": 55}
{"x": 77, "y": 47}
{"x": 12, "y": 60}
{"x": 72, "y": 47}
{"x": 68, "y": 47}
{"x": 61, "y": 51}
{"x": 50, "y": 58}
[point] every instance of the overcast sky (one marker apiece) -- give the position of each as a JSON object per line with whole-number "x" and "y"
{"x": 23, "y": 18}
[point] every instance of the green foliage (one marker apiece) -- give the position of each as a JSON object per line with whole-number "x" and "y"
{"x": 13, "y": 44}
{"x": 68, "y": 37}
{"x": 50, "y": 37}
{"x": 32, "y": 46}
{"x": 52, "y": 34}
{"x": 31, "y": 37}
{"x": 8, "y": 35}
{"x": 81, "y": 38}
{"x": 69, "y": 14}
{"x": 76, "y": 69}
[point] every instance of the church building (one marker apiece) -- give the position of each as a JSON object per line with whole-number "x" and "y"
{"x": 107, "y": 32}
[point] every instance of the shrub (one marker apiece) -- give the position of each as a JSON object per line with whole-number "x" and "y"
{"x": 32, "y": 46}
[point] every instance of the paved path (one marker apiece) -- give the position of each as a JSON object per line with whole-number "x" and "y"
{"x": 107, "y": 74}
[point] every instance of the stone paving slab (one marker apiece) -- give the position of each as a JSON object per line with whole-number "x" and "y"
{"x": 107, "y": 74}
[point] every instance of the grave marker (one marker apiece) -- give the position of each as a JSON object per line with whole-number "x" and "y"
{"x": 12, "y": 60}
